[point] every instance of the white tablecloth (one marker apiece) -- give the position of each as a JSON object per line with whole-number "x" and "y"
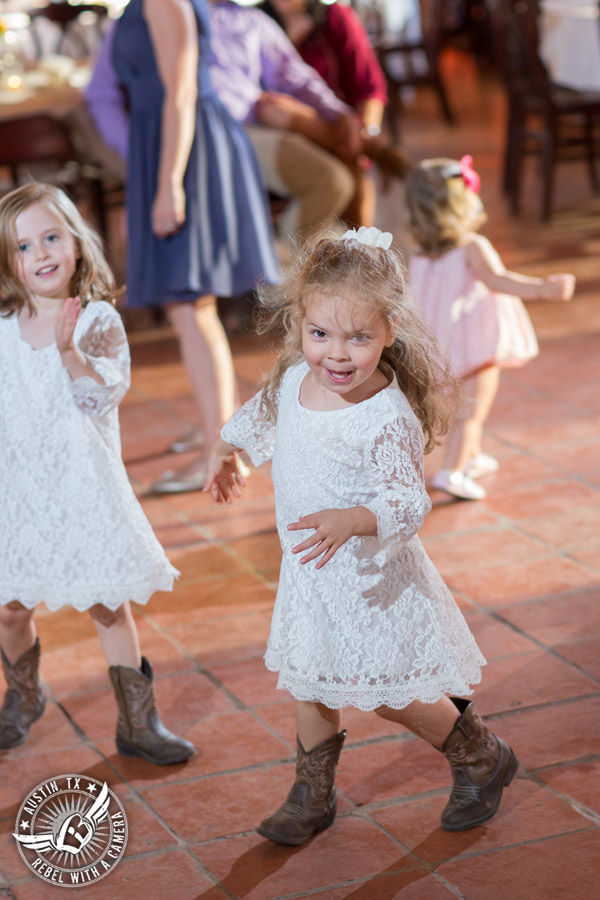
{"x": 570, "y": 43}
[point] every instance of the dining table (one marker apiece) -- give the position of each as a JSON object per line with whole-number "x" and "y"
{"x": 570, "y": 43}
{"x": 52, "y": 87}
{"x": 32, "y": 98}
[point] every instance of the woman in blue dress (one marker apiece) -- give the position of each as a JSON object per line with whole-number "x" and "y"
{"x": 198, "y": 219}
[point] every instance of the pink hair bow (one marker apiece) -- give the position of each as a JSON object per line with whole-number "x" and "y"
{"x": 470, "y": 176}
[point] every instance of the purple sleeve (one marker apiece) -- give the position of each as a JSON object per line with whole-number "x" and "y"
{"x": 283, "y": 70}
{"x": 106, "y": 100}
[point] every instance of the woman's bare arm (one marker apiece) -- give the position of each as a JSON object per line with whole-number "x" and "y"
{"x": 174, "y": 34}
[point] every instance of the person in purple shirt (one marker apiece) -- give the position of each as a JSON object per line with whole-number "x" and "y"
{"x": 333, "y": 40}
{"x": 284, "y": 104}
{"x": 106, "y": 100}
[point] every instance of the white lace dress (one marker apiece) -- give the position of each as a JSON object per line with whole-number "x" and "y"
{"x": 71, "y": 530}
{"x": 376, "y": 625}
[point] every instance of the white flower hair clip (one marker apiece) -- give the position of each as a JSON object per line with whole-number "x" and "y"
{"x": 371, "y": 237}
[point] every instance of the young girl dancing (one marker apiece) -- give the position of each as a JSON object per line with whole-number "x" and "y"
{"x": 362, "y": 618}
{"x": 470, "y": 305}
{"x": 71, "y": 529}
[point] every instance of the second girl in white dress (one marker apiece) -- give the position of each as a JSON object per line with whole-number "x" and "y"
{"x": 71, "y": 530}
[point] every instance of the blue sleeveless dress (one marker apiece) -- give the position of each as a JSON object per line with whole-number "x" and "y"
{"x": 226, "y": 244}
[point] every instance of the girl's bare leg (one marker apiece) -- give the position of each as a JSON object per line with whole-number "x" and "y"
{"x": 118, "y": 635}
{"x": 431, "y": 721}
{"x": 17, "y": 630}
{"x": 481, "y": 764}
{"x": 464, "y": 438}
{"x": 311, "y": 804}
{"x": 207, "y": 357}
{"x": 316, "y": 723}
{"x": 139, "y": 729}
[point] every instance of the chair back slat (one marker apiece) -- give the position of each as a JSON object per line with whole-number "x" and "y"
{"x": 412, "y": 62}
{"x": 34, "y": 139}
{"x": 516, "y": 36}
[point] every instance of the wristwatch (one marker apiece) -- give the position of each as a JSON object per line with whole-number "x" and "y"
{"x": 372, "y": 130}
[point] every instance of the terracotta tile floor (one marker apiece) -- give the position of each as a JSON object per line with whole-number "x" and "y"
{"x": 524, "y": 566}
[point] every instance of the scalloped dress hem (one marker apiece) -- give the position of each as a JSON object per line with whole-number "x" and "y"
{"x": 139, "y": 593}
{"x": 369, "y": 697}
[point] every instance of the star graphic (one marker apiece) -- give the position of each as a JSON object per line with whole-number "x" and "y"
{"x": 24, "y": 825}
{"x": 92, "y": 787}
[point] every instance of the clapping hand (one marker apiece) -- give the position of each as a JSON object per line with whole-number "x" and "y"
{"x": 66, "y": 322}
{"x": 224, "y": 473}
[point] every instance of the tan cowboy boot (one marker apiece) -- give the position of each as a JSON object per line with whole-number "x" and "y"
{"x": 139, "y": 729}
{"x": 311, "y": 804}
{"x": 482, "y": 765}
{"x": 24, "y": 701}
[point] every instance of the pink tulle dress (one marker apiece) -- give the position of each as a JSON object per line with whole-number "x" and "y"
{"x": 477, "y": 327}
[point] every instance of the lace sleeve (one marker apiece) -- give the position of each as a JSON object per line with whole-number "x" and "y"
{"x": 250, "y": 431}
{"x": 104, "y": 344}
{"x": 396, "y": 463}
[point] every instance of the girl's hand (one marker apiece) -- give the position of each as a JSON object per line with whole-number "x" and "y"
{"x": 333, "y": 527}
{"x": 224, "y": 474}
{"x": 65, "y": 324}
{"x": 168, "y": 210}
{"x": 558, "y": 287}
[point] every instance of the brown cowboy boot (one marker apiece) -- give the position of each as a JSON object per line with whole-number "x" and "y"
{"x": 139, "y": 729}
{"x": 24, "y": 701}
{"x": 311, "y": 804}
{"x": 482, "y": 765}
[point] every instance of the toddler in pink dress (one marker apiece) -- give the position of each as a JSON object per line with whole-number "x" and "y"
{"x": 470, "y": 304}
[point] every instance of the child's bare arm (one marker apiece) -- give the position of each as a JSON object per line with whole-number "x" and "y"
{"x": 224, "y": 476}
{"x": 333, "y": 527}
{"x": 487, "y": 266}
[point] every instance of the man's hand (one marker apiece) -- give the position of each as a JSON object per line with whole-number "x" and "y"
{"x": 278, "y": 110}
{"x": 349, "y": 142}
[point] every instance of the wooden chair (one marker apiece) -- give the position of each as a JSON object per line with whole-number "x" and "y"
{"x": 41, "y": 148}
{"x": 426, "y": 72}
{"x": 39, "y": 142}
{"x": 65, "y": 17}
{"x": 554, "y": 122}
{"x": 102, "y": 169}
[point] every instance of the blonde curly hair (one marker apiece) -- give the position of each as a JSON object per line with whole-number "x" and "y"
{"x": 92, "y": 279}
{"x": 442, "y": 209}
{"x": 347, "y": 271}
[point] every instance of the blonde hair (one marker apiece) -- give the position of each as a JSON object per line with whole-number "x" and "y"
{"x": 348, "y": 271}
{"x": 92, "y": 279}
{"x": 442, "y": 209}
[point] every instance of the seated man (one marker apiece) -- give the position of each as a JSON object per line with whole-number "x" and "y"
{"x": 259, "y": 77}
